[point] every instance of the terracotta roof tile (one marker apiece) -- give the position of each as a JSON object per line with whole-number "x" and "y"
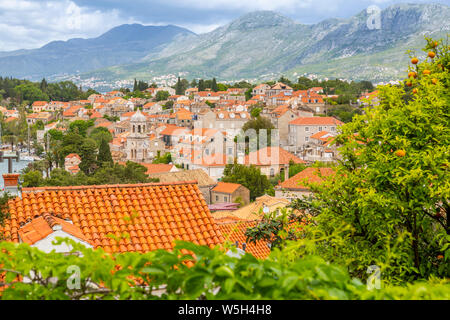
{"x": 41, "y": 227}
{"x": 226, "y": 187}
{"x": 310, "y": 175}
{"x": 99, "y": 211}
{"x": 303, "y": 121}
{"x": 235, "y": 231}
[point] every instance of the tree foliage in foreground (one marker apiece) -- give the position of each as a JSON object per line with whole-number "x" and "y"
{"x": 165, "y": 275}
{"x": 388, "y": 204}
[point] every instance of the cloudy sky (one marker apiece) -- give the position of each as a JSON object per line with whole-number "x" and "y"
{"x": 26, "y": 24}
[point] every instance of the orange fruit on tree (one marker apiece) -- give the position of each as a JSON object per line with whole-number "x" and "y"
{"x": 400, "y": 153}
{"x": 415, "y": 91}
{"x": 440, "y": 257}
{"x": 412, "y": 74}
{"x": 431, "y": 54}
{"x": 434, "y": 81}
{"x": 426, "y": 72}
{"x": 414, "y": 61}
{"x": 409, "y": 84}
{"x": 434, "y": 44}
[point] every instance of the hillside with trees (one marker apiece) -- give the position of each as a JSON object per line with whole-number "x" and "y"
{"x": 17, "y": 92}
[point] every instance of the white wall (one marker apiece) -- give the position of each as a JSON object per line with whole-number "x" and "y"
{"x": 46, "y": 245}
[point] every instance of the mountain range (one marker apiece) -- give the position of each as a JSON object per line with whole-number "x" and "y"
{"x": 257, "y": 46}
{"x": 123, "y": 44}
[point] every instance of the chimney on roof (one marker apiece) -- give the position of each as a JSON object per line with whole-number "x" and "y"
{"x": 11, "y": 182}
{"x": 52, "y": 222}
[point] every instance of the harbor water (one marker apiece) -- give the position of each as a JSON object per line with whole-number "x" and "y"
{"x": 16, "y": 168}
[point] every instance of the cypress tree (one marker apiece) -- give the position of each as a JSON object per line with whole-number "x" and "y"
{"x": 44, "y": 85}
{"x": 179, "y": 87}
{"x": 104, "y": 153}
{"x": 214, "y": 85}
{"x": 201, "y": 85}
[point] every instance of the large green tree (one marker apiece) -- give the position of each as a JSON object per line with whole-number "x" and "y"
{"x": 259, "y": 123}
{"x": 30, "y": 92}
{"x": 162, "y": 95}
{"x": 388, "y": 204}
{"x": 250, "y": 177}
{"x": 99, "y": 134}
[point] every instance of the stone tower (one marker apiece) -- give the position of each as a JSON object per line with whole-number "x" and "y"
{"x": 137, "y": 141}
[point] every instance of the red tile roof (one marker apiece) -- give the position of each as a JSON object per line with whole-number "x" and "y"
{"x": 154, "y": 167}
{"x": 40, "y": 103}
{"x": 309, "y": 175}
{"x": 42, "y": 226}
{"x": 323, "y": 136}
{"x": 151, "y": 215}
{"x": 235, "y": 231}
{"x": 73, "y": 155}
{"x": 157, "y": 168}
{"x": 173, "y": 130}
{"x": 270, "y": 156}
{"x": 226, "y": 187}
{"x": 303, "y": 121}
{"x": 95, "y": 114}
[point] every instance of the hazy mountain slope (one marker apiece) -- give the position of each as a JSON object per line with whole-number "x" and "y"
{"x": 264, "y": 44}
{"x": 123, "y": 44}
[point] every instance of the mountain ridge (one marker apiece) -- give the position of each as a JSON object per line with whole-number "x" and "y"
{"x": 241, "y": 50}
{"x": 79, "y": 54}
{"x": 261, "y": 45}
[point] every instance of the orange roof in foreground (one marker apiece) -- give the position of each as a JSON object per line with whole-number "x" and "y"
{"x": 310, "y": 175}
{"x": 226, "y": 187}
{"x": 163, "y": 213}
{"x": 41, "y": 227}
{"x": 235, "y": 231}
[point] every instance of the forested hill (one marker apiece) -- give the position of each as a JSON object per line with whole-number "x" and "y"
{"x": 15, "y": 91}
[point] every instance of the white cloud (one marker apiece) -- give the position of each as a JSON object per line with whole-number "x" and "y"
{"x": 279, "y": 5}
{"x": 203, "y": 28}
{"x": 33, "y": 23}
{"x": 245, "y": 5}
{"x": 30, "y": 24}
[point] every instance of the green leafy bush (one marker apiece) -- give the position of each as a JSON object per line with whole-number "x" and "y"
{"x": 165, "y": 275}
